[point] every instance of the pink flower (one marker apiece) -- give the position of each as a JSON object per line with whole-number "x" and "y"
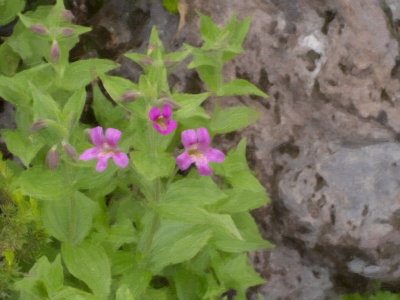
{"x": 105, "y": 148}
{"x": 161, "y": 120}
{"x": 197, "y": 151}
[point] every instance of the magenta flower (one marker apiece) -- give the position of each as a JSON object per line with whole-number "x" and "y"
{"x": 161, "y": 120}
{"x": 197, "y": 151}
{"x": 105, "y": 148}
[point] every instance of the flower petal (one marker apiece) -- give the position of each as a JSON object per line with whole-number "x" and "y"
{"x": 112, "y": 136}
{"x": 166, "y": 111}
{"x": 121, "y": 159}
{"x": 154, "y": 113}
{"x": 89, "y": 154}
{"x": 214, "y": 155}
{"x": 184, "y": 161}
{"x": 96, "y": 135}
{"x": 101, "y": 163}
{"x": 171, "y": 125}
{"x": 188, "y": 137}
{"x": 202, "y": 167}
{"x": 203, "y": 137}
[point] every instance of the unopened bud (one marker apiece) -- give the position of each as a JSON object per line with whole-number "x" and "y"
{"x": 146, "y": 60}
{"x": 169, "y": 63}
{"x": 52, "y": 158}
{"x": 67, "y": 15}
{"x": 70, "y": 151}
{"x": 38, "y": 29}
{"x": 55, "y": 51}
{"x": 169, "y": 101}
{"x": 37, "y": 125}
{"x": 67, "y": 31}
{"x": 130, "y": 96}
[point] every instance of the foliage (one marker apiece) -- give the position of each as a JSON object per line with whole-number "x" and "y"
{"x": 122, "y": 222}
{"x": 379, "y": 295}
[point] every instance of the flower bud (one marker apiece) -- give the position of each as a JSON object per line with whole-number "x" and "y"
{"x": 52, "y": 158}
{"x": 129, "y": 96}
{"x": 169, "y": 101}
{"x": 67, "y": 15}
{"x": 55, "y": 51}
{"x": 169, "y": 63}
{"x": 67, "y": 31}
{"x": 38, "y": 29}
{"x": 37, "y": 125}
{"x": 70, "y": 151}
{"x": 146, "y": 60}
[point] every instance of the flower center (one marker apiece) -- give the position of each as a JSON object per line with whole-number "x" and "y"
{"x": 195, "y": 153}
{"x": 161, "y": 122}
{"x": 107, "y": 149}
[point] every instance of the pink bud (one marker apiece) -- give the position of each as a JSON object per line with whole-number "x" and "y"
{"x": 130, "y": 96}
{"x": 55, "y": 51}
{"x": 37, "y": 125}
{"x": 52, "y": 158}
{"x": 67, "y": 15}
{"x": 169, "y": 63}
{"x": 146, "y": 60}
{"x": 169, "y": 101}
{"x": 38, "y": 29}
{"x": 70, "y": 151}
{"x": 67, "y": 31}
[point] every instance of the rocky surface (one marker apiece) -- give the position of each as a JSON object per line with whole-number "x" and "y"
{"x": 326, "y": 148}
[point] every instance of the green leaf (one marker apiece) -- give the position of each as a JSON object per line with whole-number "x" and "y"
{"x": 124, "y": 293}
{"x": 176, "y": 242}
{"x": 89, "y": 263}
{"x": 240, "y": 200}
{"x": 171, "y": 5}
{"x": 204, "y": 58}
{"x": 13, "y": 91}
{"x": 188, "y": 285}
{"x": 252, "y": 240}
{"x": 194, "y": 191}
{"x": 153, "y": 165}
{"x": 44, "y": 106}
{"x": 70, "y": 293}
{"x": 29, "y": 46}
{"x": 236, "y": 273}
{"x": 49, "y": 276}
{"x": 196, "y": 215}
{"x": 211, "y": 76}
{"x": 106, "y": 113}
{"x": 237, "y": 31}
{"x": 116, "y": 86}
{"x": 20, "y": 144}
{"x": 82, "y": 72}
{"x": 43, "y": 184}
{"x": 118, "y": 234}
{"x": 10, "y": 60}
{"x": 240, "y": 87}
{"x": 138, "y": 280}
{"x": 208, "y": 30}
{"x": 41, "y": 76}
{"x": 73, "y": 108}
{"x": 9, "y": 10}
{"x": 233, "y": 118}
{"x": 70, "y": 219}
{"x": 190, "y": 105}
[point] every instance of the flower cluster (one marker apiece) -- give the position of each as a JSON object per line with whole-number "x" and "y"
{"x": 196, "y": 144}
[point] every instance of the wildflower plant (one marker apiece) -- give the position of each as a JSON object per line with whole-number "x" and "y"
{"x": 169, "y": 218}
